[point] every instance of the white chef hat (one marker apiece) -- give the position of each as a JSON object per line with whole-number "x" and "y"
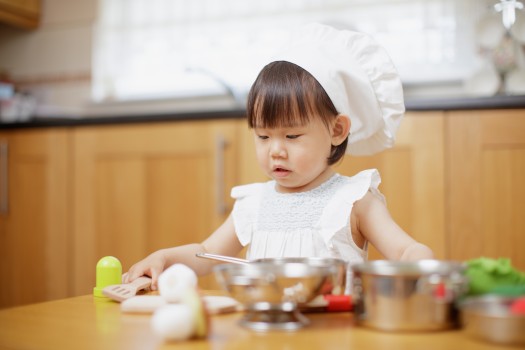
{"x": 358, "y": 76}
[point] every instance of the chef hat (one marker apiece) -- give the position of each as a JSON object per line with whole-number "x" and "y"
{"x": 358, "y": 76}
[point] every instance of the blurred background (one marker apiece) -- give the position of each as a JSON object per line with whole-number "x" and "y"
{"x": 91, "y": 57}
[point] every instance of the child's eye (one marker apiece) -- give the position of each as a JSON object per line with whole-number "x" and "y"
{"x": 292, "y": 136}
{"x": 262, "y": 137}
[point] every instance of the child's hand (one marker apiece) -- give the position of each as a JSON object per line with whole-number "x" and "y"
{"x": 151, "y": 266}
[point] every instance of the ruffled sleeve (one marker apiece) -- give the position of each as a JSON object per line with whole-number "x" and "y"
{"x": 247, "y": 198}
{"x": 336, "y": 215}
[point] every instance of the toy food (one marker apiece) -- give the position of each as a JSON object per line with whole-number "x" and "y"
{"x": 492, "y": 275}
{"x": 174, "y": 322}
{"x": 186, "y": 320}
{"x": 175, "y": 281}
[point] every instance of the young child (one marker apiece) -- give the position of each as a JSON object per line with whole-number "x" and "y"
{"x": 330, "y": 92}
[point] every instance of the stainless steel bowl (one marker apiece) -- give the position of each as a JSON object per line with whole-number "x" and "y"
{"x": 489, "y": 318}
{"x": 336, "y": 282}
{"x": 271, "y": 291}
{"x": 407, "y": 296}
{"x": 339, "y": 280}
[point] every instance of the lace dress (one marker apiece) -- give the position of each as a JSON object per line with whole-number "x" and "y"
{"x": 314, "y": 223}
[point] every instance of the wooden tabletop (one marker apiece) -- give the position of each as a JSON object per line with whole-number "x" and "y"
{"x": 94, "y": 323}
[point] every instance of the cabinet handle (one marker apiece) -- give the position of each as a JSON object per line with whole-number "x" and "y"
{"x": 4, "y": 177}
{"x": 220, "y": 148}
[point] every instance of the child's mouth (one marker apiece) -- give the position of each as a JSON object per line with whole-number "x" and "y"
{"x": 281, "y": 171}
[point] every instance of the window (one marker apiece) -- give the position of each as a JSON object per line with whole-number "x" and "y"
{"x": 148, "y": 49}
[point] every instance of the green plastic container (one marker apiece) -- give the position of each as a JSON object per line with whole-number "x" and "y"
{"x": 109, "y": 272}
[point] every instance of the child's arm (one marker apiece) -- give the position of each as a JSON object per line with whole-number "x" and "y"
{"x": 371, "y": 219}
{"x": 223, "y": 241}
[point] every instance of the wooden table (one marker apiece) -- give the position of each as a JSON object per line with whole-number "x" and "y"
{"x": 92, "y": 323}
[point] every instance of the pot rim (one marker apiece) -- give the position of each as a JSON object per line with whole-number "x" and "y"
{"x": 406, "y": 268}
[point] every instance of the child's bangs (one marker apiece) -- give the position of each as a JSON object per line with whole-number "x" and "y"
{"x": 280, "y": 98}
{"x": 272, "y": 110}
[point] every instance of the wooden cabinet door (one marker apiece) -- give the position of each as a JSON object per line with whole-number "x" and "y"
{"x": 142, "y": 187}
{"x": 412, "y": 178}
{"x": 34, "y": 226}
{"x": 486, "y": 173}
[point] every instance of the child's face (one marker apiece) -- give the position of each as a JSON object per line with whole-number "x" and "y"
{"x": 295, "y": 157}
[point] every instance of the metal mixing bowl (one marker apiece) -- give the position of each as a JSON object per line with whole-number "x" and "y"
{"x": 339, "y": 280}
{"x": 336, "y": 282}
{"x": 272, "y": 290}
{"x": 489, "y": 318}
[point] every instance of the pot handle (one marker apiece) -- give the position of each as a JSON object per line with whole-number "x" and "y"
{"x": 443, "y": 288}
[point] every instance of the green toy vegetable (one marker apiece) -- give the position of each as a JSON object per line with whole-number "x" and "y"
{"x": 488, "y": 275}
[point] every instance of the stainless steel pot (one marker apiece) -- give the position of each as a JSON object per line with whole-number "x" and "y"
{"x": 407, "y": 296}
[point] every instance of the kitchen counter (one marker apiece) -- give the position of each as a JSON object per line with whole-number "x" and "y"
{"x": 125, "y": 119}
{"x": 412, "y": 104}
{"x": 465, "y": 103}
{"x": 90, "y": 323}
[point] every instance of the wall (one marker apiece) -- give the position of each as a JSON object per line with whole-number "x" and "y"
{"x": 55, "y": 59}
{"x": 55, "y": 63}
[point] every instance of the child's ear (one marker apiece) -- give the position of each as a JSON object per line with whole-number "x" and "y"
{"x": 340, "y": 129}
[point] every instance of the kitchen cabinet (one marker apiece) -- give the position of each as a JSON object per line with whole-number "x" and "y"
{"x": 20, "y": 13}
{"x": 454, "y": 181}
{"x": 141, "y": 187}
{"x": 485, "y": 184}
{"x": 34, "y": 218}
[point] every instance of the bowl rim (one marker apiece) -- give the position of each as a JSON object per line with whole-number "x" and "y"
{"x": 474, "y": 305}
{"x": 276, "y": 269}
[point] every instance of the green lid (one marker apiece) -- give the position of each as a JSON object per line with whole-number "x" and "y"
{"x": 109, "y": 272}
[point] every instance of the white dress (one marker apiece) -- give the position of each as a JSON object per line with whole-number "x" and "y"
{"x": 314, "y": 223}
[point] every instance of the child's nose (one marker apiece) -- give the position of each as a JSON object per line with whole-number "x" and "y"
{"x": 277, "y": 149}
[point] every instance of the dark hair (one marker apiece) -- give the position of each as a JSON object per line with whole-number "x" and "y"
{"x": 285, "y": 95}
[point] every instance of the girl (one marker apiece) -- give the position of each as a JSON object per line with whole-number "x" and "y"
{"x": 330, "y": 92}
